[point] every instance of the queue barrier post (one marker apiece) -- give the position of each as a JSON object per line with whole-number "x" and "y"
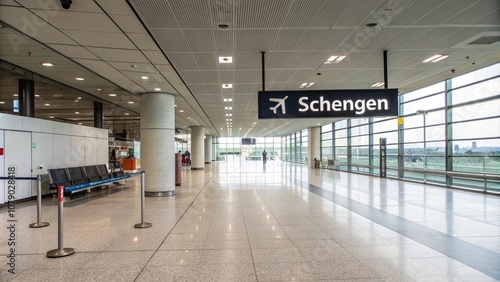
{"x": 60, "y": 251}
{"x": 142, "y": 224}
{"x": 38, "y": 223}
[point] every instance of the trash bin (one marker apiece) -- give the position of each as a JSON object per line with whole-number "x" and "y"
{"x": 178, "y": 169}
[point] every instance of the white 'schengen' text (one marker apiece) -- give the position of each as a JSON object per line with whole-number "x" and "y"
{"x": 359, "y": 106}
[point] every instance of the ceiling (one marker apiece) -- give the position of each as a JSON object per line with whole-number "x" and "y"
{"x": 176, "y": 44}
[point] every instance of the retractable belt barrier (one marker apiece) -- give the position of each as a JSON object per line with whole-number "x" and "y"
{"x": 38, "y": 178}
{"x": 61, "y": 251}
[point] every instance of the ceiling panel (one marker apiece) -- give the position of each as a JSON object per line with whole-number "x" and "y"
{"x": 117, "y": 55}
{"x": 100, "y": 39}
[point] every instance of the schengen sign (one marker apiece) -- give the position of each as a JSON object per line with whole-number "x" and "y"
{"x": 328, "y": 103}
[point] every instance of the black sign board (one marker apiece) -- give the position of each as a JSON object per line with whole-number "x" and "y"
{"x": 248, "y": 141}
{"x": 383, "y": 157}
{"x": 328, "y": 103}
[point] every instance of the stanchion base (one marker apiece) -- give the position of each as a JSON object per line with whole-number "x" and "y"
{"x": 143, "y": 225}
{"x": 39, "y": 224}
{"x": 60, "y": 253}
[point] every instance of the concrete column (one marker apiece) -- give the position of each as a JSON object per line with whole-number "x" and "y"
{"x": 157, "y": 143}
{"x": 98, "y": 115}
{"x": 314, "y": 149}
{"x": 26, "y": 97}
{"x": 208, "y": 149}
{"x": 197, "y": 148}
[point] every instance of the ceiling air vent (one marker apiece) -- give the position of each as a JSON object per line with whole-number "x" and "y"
{"x": 485, "y": 40}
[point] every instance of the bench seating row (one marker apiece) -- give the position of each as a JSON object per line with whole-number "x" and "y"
{"x": 72, "y": 176}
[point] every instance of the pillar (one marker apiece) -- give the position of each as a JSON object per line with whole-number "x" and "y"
{"x": 314, "y": 149}
{"x": 26, "y": 97}
{"x": 157, "y": 143}
{"x": 98, "y": 115}
{"x": 208, "y": 149}
{"x": 197, "y": 148}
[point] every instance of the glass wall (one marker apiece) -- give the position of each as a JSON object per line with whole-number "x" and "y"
{"x": 444, "y": 132}
{"x": 295, "y": 146}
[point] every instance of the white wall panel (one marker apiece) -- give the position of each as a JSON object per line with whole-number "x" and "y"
{"x": 46, "y": 126}
{"x": 90, "y": 131}
{"x": 62, "y": 128}
{"x": 91, "y": 151}
{"x": 77, "y": 130}
{"x": 18, "y": 155}
{"x": 10, "y": 122}
{"x": 77, "y": 153}
{"x": 31, "y": 124}
{"x": 62, "y": 151}
{"x": 102, "y": 151}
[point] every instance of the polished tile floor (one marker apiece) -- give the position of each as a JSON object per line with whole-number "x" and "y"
{"x": 241, "y": 221}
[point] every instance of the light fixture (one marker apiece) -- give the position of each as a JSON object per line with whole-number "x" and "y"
{"x": 228, "y": 99}
{"x": 227, "y": 85}
{"x": 47, "y": 65}
{"x": 98, "y": 89}
{"x": 80, "y": 123}
{"x": 378, "y": 84}
{"x": 130, "y": 102}
{"x": 334, "y": 59}
{"x": 181, "y": 111}
{"x": 79, "y": 98}
{"x": 79, "y": 78}
{"x": 47, "y": 104}
{"x": 36, "y": 95}
{"x": 15, "y": 95}
{"x": 225, "y": 60}
{"x": 127, "y": 114}
{"x": 112, "y": 94}
{"x": 2, "y": 102}
{"x": 144, "y": 77}
{"x": 229, "y": 115}
{"x": 77, "y": 113}
{"x": 228, "y": 108}
{"x": 157, "y": 89}
{"x": 435, "y": 58}
{"x": 306, "y": 85}
{"x": 51, "y": 116}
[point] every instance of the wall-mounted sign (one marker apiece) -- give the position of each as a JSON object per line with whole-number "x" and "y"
{"x": 248, "y": 141}
{"x": 328, "y": 103}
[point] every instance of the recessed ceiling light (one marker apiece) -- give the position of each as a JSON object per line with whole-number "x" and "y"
{"x": 47, "y": 65}
{"x": 2, "y": 102}
{"x": 112, "y": 94}
{"x": 378, "y": 84}
{"x": 36, "y": 95}
{"x": 98, "y": 89}
{"x": 228, "y": 108}
{"x": 175, "y": 105}
{"x": 229, "y": 115}
{"x": 157, "y": 89}
{"x": 51, "y": 117}
{"x": 181, "y": 111}
{"x": 79, "y": 98}
{"x": 334, "y": 59}
{"x": 228, "y": 99}
{"x": 77, "y": 113}
{"x": 227, "y": 85}
{"x": 225, "y": 60}
{"x": 144, "y": 77}
{"x": 47, "y": 104}
{"x": 435, "y": 58}
{"x": 15, "y": 95}
{"x": 80, "y": 78}
{"x": 306, "y": 85}
{"x": 127, "y": 114}
{"x": 80, "y": 123}
{"x": 130, "y": 102}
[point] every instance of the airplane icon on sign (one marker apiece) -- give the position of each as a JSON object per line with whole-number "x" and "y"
{"x": 281, "y": 102}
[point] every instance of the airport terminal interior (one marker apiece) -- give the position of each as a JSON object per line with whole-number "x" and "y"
{"x": 249, "y": 140}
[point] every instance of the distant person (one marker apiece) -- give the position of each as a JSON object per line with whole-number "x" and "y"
{"x": 113, "y": 155}
{"x": 264, "y": 156}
